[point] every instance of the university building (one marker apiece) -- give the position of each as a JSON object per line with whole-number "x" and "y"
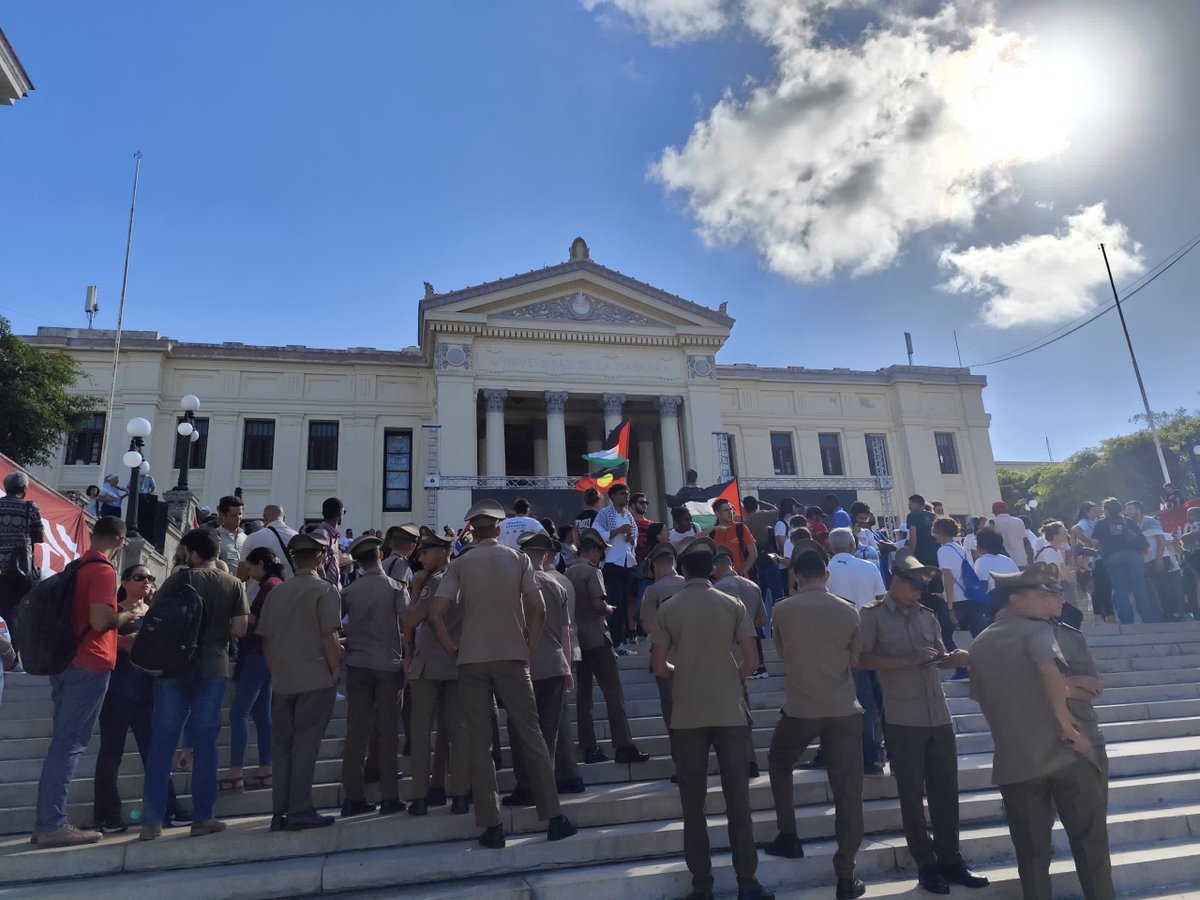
{"x": 512, "y": 382}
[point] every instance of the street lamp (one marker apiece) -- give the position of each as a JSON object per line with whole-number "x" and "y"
{"x": 139, "y": 429}
{"x": 187, "y": 428}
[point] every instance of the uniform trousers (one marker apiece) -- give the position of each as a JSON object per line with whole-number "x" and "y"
{"x": 925, "y": 761}
{"x": 372, "y": 699}
{"x": 841, "y": 745}
{"x": 689, "y": 748}
{"x": 1079, "y": 792}
{"x": 298, "y": 725}
{"x": 548, "y": 695}
{"x": 599, "y": 665}
{"x": 430, "y": 697}
{"x": 511, "y": 680}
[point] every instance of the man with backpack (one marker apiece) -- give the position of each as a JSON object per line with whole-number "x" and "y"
{"x": 734, "y": 535}
{"x": 20, "y": 529}
{"x": 89, "y": 620}
{"x": 186, "y": 635}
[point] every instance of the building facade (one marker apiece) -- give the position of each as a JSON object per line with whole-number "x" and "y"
{"x": 513, "y": 381}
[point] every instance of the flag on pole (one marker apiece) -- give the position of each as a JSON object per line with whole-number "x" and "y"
{"x": 699, "y": 501}
{"x": 613, "y": 461}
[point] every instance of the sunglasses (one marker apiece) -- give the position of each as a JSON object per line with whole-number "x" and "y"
{"x": 140, "y": 577}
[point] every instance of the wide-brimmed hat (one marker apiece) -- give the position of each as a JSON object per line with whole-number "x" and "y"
{"x": 485, "y": 513}
{"x": 661, "y": 550}
{"x": 699, "y": 545}
{"x": 905, "y": 562}
{"x": 535, "y": 540}
{"x": 365, "y": 542}
{"x": 1041, "y": 575}
{"x": 593, "y": 537}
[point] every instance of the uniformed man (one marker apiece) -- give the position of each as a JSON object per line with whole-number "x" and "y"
{"x": 667, "y": 583}
{"x": 566, "y": 770}
{"x": 699, "y": 624}
{"x": 299, "y": 626}
{"x": 902, "y": 642}
{"x": 433, "y": 684}
{"x": 728, "y": 580}
{"x": 598, "y": 661}
{"x": 817, "y": 635}
{"x": 548, "y": 667}
{"x": 1044, "y": 759}
{"x": 400, "y": 542}
{"x": 503, "y": 615}
{"x": 374, "y": 605}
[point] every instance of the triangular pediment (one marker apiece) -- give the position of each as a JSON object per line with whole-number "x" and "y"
{"x": 579, "y": 306}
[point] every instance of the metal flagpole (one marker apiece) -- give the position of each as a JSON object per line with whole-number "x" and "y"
{"x": 112, "y": 390}
{"x": 1162, "y": 460}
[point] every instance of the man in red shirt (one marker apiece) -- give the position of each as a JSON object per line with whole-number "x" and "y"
{"x": 734, "y": 535}
{"x": 78, "y": 691}
{"x": 640, "y": 505}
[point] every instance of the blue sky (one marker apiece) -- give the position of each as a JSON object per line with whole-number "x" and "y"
{"x": 307, "y": 165}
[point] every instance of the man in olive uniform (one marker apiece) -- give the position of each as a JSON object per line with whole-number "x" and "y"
{"x": 667, "y": 583}
{"x": 503, "y": 615}
{"x": 902, "y": 642}
{"x": 548, "y": 667}
{"x": 700, "y": 624}
{"x": 817, "y": 635}
{"x": 433, "y": 683}
{"x": 566, "y": 770}
{"x": 726, "y": 578}
{"x": 598, "y": 661}
{"x": 299, "y": 626}
{"x": 374, "y": 605}
{"x": 1044, "y": 759}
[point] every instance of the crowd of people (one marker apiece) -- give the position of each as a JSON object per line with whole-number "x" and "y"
{"x": 430, "y": 632}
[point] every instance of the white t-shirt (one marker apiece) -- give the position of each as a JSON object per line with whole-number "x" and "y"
{"x": 1151, "y": 527}
{"x": 682, "y": 538}
{"x": 1051, "y": 555}
{"x": 1014, "y": 533}
{"x": 515, "y": 526}
{"x": 266, "y": 537}
{"x": 970, "y": 543}
{"x": 856, "y": 580}
{"x": 950, "y": 556}
{"x": 1036, "y": 541}
{"x": 990, "y": 563}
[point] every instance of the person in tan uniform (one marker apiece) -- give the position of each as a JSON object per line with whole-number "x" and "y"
{"x": 817, "y": 635}
{"x": 598, "y": 661}
{"x": 503, "y": 615}
{"x": 667, "y": 583}
{"x": 1045, "y": 759}
{"x": 726, "y": 578}
{"x": 548, "y": 667}
{"x": 699, "y": 625}
{"x": 566, "y": 769}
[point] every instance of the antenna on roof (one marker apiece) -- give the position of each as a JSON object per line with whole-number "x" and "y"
{"x": 90, "y": 306}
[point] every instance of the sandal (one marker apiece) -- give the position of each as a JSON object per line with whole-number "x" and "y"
{"x": 259, "y": 782}
{"x": 231, "y": 785}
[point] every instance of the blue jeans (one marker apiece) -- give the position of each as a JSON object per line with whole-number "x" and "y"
{"x": 78, "y": 696}
{"x": 773, "y": 587}
{"x": 1128, "y": 575}
{"x": 866, "y": 687}
{"x": 252, "y": 698}
{"x": 198, "y": 703}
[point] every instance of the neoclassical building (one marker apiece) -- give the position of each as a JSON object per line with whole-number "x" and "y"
{"x": 512, "y": 382}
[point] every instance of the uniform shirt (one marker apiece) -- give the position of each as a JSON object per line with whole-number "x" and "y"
{"x": 96, "y": 583}
{"x": 548, "y": 659}
{"x": 700, "y": 624}
{"x": 1012, "y": 530}
{"x": 515, "y": 526}
{"x": 430, "y": 661}
{"x": 657, "y": 594}
{"x": 856, "y": 580}
{"x": 622, "y": 552}
{"x": 817, "y": 633}
{"x": 565, "y": 583}
{"x": 912, "y": 695}
{"x": 489, "y": 582}
{"x": 592, "y": 625}
{"x": 398, "y": 569}
{"x": 374, "y": 605}
{"x": 1006, "y": 683}
{"x": 224, "y": 599}
{"x": 746, "y": 591}
{"x": 294, "y": 622}
{"x": 1079, "y": 661}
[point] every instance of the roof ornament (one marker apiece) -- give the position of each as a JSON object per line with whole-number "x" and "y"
{"x": 579, "y": 250}
{"x": 723, "y": 309}
{"x": 429, "y": 291}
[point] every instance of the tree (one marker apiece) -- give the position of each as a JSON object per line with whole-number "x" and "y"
{"x": 35, "y": 408}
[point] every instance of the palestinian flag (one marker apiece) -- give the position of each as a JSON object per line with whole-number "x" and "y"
{"x": 699, "y": 501}
{"x": 617, "y": 453}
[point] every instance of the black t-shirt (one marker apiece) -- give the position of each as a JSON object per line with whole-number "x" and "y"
{"x": 920, "y": 523}
{"x": 584, "y": 519}
{"x": 1117, "y": 533}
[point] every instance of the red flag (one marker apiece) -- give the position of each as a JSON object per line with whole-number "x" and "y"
{"x": 63, "y": 522}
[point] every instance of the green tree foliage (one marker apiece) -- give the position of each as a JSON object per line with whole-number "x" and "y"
{"x": 35, "y": 408}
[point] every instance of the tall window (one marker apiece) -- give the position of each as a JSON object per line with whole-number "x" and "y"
{"x": 782, "y": 454}
{"x": 258, "y": 444}
{"x": 831, "y": 454}
{"x": 83, "y": 447}
{"x": 947, "y": 452}
{"x": 878, "y": 461}
{"x": 322, "y": 446}
{"x": 397, "y": 471}
{"x": 199, "y": 446}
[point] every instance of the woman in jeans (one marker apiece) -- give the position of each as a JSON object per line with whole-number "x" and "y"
{"x": 252, "y": 697}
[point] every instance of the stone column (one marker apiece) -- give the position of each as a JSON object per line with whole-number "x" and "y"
{"x": 541, "y": 458}
{"x": 668, "y": 412}
{"x": 613, "y": 404}
{"x": 556, "y": 436}
{"x": 646, "y": 473}
{"x": 494, "y": 426}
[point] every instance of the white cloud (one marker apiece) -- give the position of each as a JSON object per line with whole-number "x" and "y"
{"x": 1041, "y": 278}
{"x": 670, "y": 21}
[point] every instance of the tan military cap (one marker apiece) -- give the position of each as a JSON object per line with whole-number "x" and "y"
{"x": 722, "y": 550}
{"x": 905, "y": 562}
{"x": 699, "y": 545}
{"x": 363, "y": 543}
{"x": 535, "y": 540}
{"x": 305, "y": 543}
{"x": 660, "y": 550}
{"x": 434, "y": 540}
{"x": 408, "y": 530}
{"x": 593, "y": 537}
{"x": 1041, "y": 575}
{"x": 485, "y": 511}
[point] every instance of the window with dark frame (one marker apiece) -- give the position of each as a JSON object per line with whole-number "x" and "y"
{"x": 877, "y": 451}
{"x": 947, "y": 452}
{"x": 831, "y": 453}
{"x": 397, "y": 471}
{"x": 258, "y": 444}
{"x": 83, "y": 447}
{"x": 199, "y": 446}
{"x": 782, "y": 454}
{"x": 322, "y": 446}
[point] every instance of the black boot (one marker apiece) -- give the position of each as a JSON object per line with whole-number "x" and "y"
{"x": 560, "y": 827}
{"x": 754, "y": 892}
{"x": 279, "y": 822}
{"x": 519, "y": 797}
{"x": 357, "y": 808}
{"x": 460, "y": 806}
{"x": 436, "y": 796}
{"x": 849, "y": 888}
{"x": 573, "y": 785}
{"x": 958, "y": 873}
{"x": 493, "y": 838}
{"x": 786, "y": 845}
{"x": 418, "y": 807}
{"x": 931, "y": 878}
{"x": 391, "y": 807}
{"x": 595, "y": 755}
{"x": 631, "y": 754}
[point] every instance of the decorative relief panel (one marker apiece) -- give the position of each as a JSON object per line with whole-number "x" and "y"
{"x": 702, "y": 367}
{"x": 452, "y": 356}
{"x": 578, "y": 307}
{"x": 582, "y": 361}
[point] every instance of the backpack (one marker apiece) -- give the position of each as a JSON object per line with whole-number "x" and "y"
{"x": 44, "y": 622}
{"x": 168, "y": 644}
{"x": 973, "y": 587}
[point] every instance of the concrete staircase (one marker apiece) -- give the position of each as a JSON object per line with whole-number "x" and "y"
{"x": 630, "y": 842}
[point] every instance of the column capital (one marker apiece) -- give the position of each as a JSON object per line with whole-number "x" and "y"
{"x": 668, "y": 405}
{"x": 556, "y": 402}
{"x": 494, "y": 398}
{"x": 613, "y": 404}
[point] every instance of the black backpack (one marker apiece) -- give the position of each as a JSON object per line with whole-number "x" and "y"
{"x": 168, "y": 644}
{"x": 49, "y": 641}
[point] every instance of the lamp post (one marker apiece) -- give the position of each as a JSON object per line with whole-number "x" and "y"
{"x": 139, "y": 429}
{"x": 187, "y": 429}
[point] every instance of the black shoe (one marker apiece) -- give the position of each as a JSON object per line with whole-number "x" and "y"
{"x": 305, "y": 821}
{"x": 817, "y": 762}
{"x": 493, "y": 838}
{"x": 958, "y": 873}
{"x": 418, "y": 807}
{"x": 931, "y": 878}
{"x": 278, "y": 822}
{"x": 630, "y": 754}
{"x": 757, "y": 892}
{"x": 391, "y": 807}
{"x": 849, "y": 888}
{"x": 573, "y": 785}
{"x": 519, "y": 798}
{"x": 357, "y": 808}
{"x": 436, "y": 797}
{"x": 370, "y": 776}
{"x": 460, "y": 806}
{"x": 560, "y": 827}
{"x": 752, "y": 770}
{"x": 595, "y": 755}
{"x": 786, "y": 845}
{"x": 111, "y": 826}
{"x": 178, "y": 818}
{"x": 675, "y": 779}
